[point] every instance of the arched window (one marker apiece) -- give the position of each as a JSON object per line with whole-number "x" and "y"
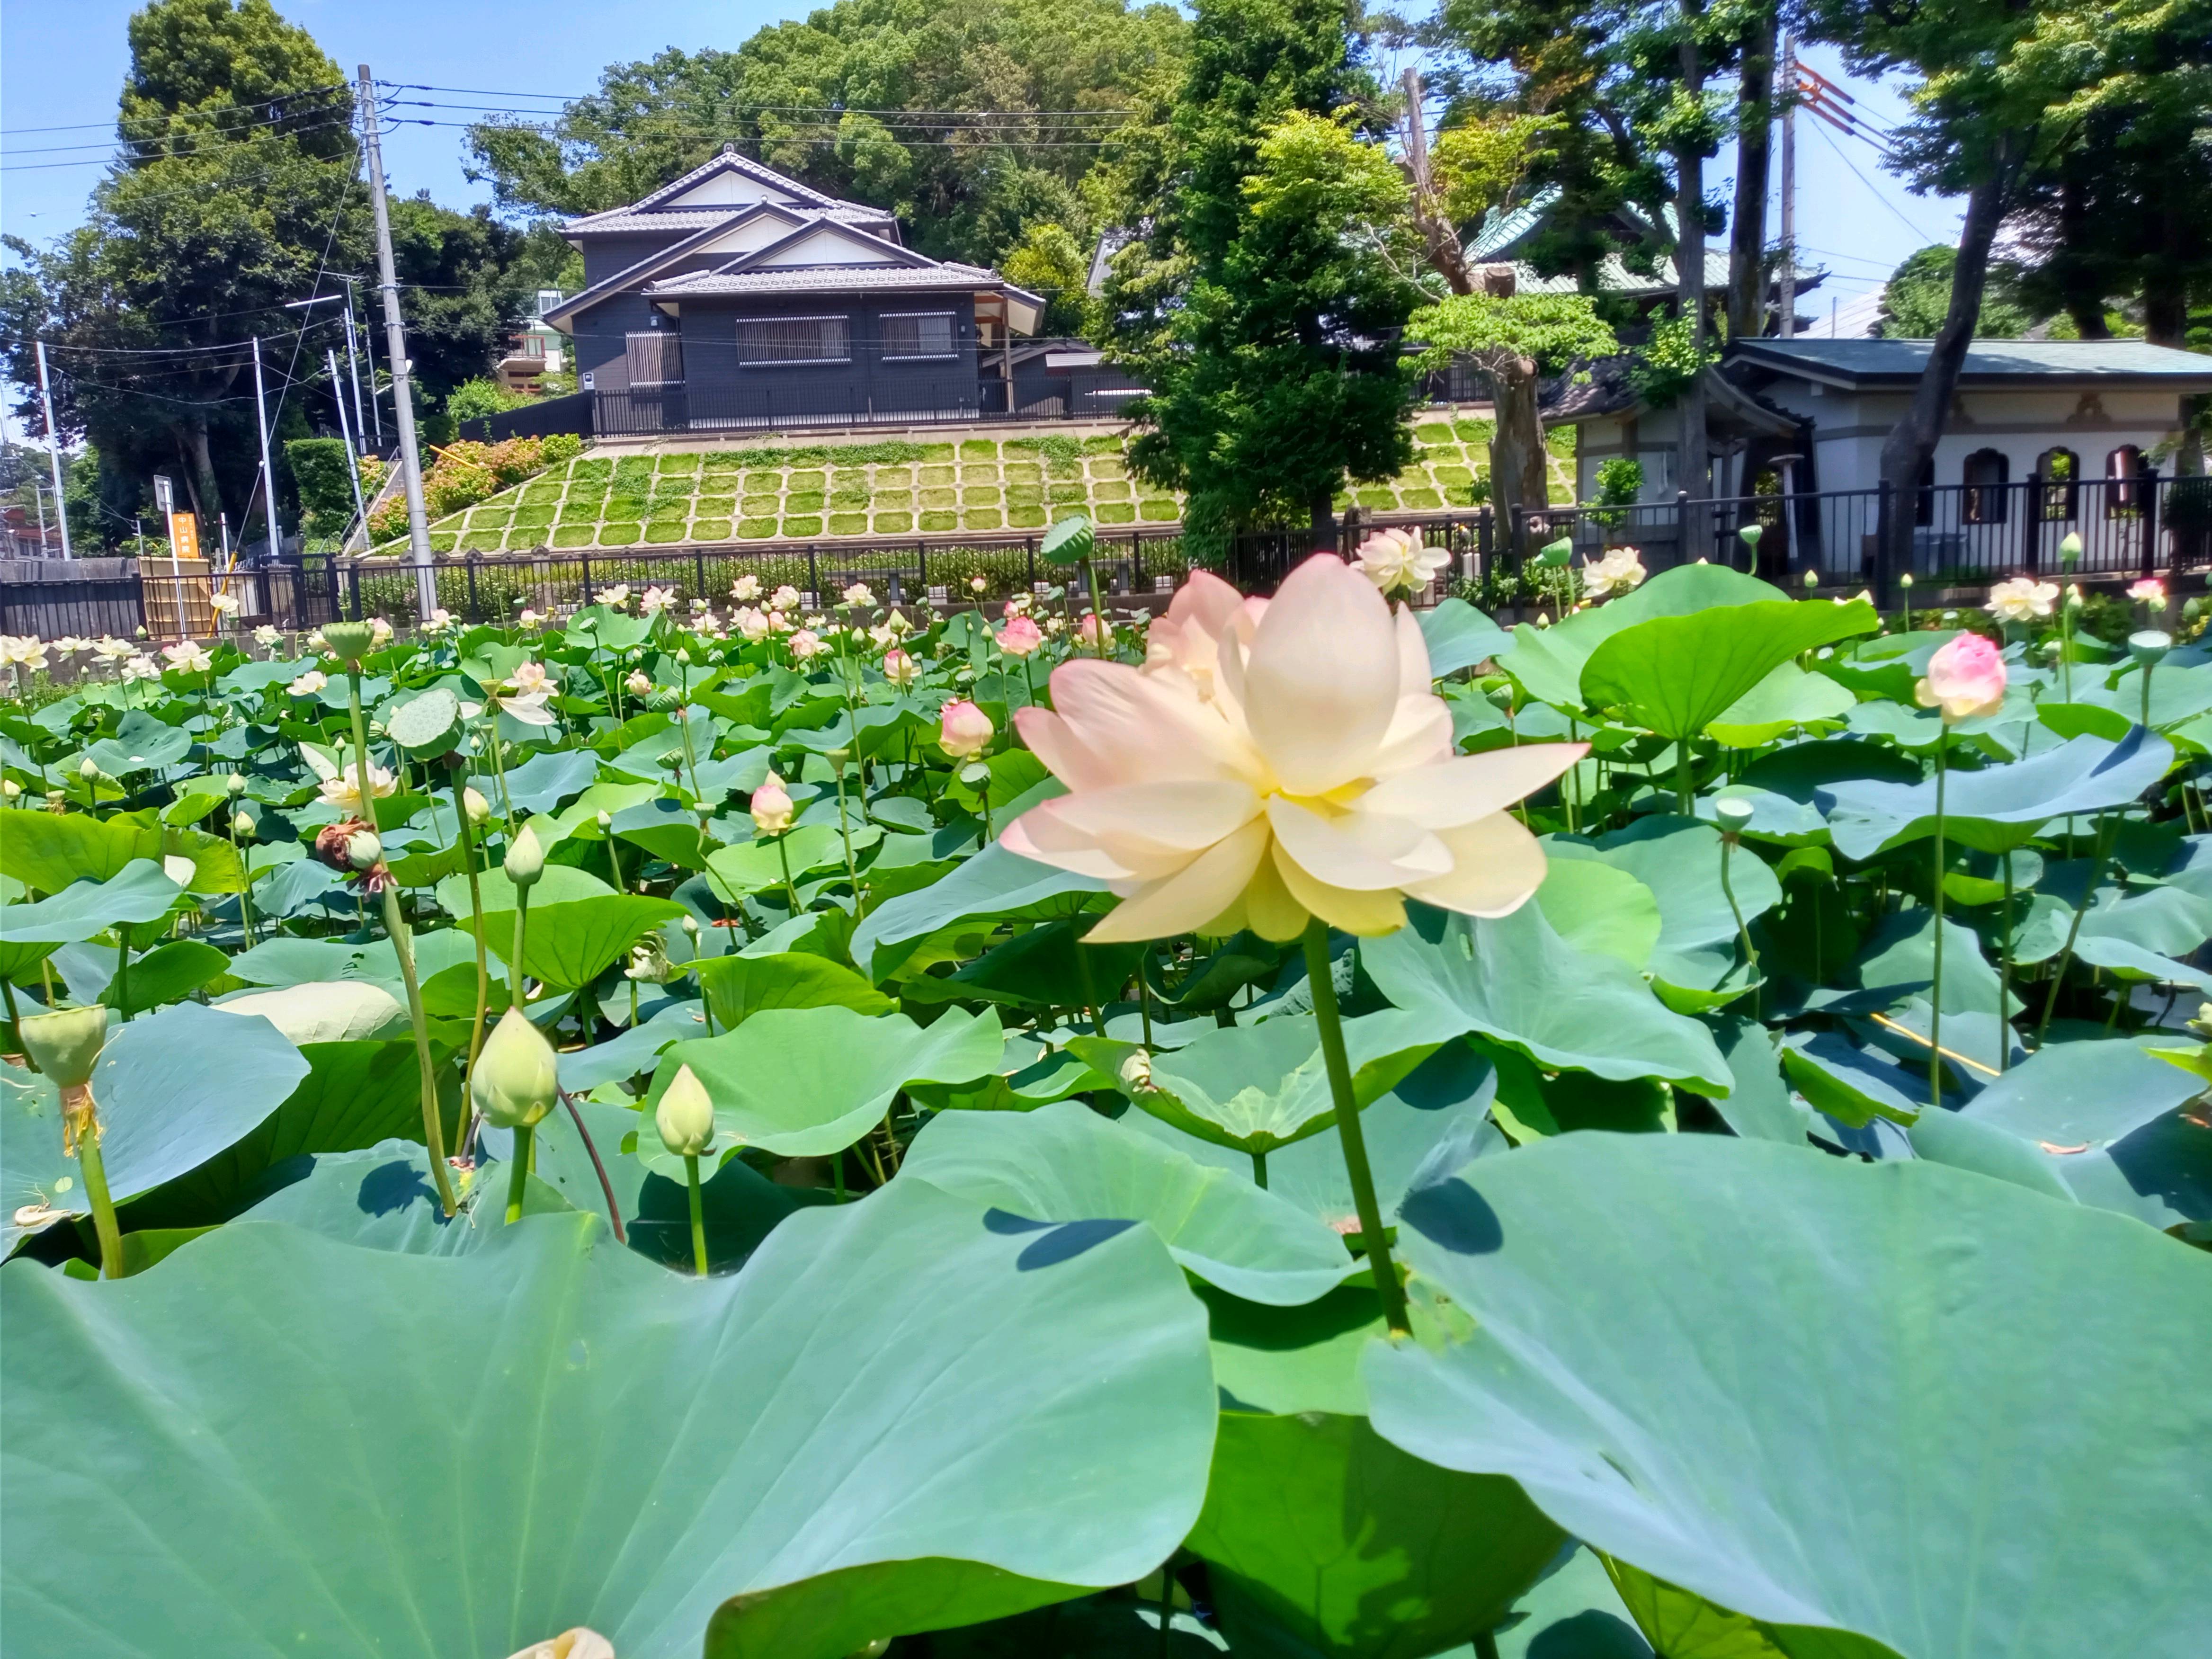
{"x": 1987, "y": 474}
{"x": 2061, "y": 472}
{"x": 2123, "y": 472}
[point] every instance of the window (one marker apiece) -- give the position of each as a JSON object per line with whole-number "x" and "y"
{"x": 1987, "y": 473}
{"x": 654, "y": 359}
{"x": 770, "y": 340}
{"x": 2061, "y": 472}
{"x": 2123, "y": 468}
{"x": 918, "y": 334}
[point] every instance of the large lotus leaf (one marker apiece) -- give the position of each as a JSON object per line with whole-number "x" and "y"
{"x": 1787, "y": 697}
{"x": 1513, "y": 979}
{"x": 995, "y": 885}
{"x": 1546, "y": 663}
{"x": 2083, "y": 1095}
{"x": 740, "y": 987}
{"x": 557, "y": 884}
{"x": 895, "y": 1418}
{"x": 807, "y": 1082}
{"x": 1264, "y": 1086}
{"x": 541, "y": 783}
{"x": 1697, "y": 1354}
{"x": 2129, "y": 962}
{"x": 634, "y": 1051}
{"x": 50, "y": 851}
{"x": 1573, "y": 1612}
{"x": 1459, "y": 636}
{"x": 1064, "y": 1162}
{"x": 751, "y": 865}
{"x": 175, "y": 1089}
{"x": 141, "y": 743}
{"x": 1595, "y": 908}
{"x": 168, "y": 973}
{"x": 571, "y": 945}
{"x": 2162, "y": 1175}
{"x": 1679, "y": 860}
{"x": 1758, "y": 1106}
{"x": 1549, "y": 662}
{"x": 138, "y": 892}
{"x": 333, "y": 1011}
{"x": 1439, "y": 1111}
{"x": 1996, "y": 808}
{"x": 1678, "y": 674}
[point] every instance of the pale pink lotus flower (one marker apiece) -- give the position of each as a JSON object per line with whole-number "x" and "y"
{"x": 639, "y": 683}
{"x": 1316, "y": 777}
{"x": 2022, "y": 599}
{"x": 615, "y": 598}
{"x": 1965, "y": 678}
{"x": 1397, "y": 562}
{"x": 309, "y": 684}
{"x": 529, "y": 676}
{"x": 778, "y": 623}
{"x": 784, "y": 599}
{"x": 860, "y": 594}
{"x": 806, "y": 643}
{"x": 1090, "y": 631}
{"x": 771, "y": 807}
{"x": 900, "y": 669}
{"x": 656, "y": 600}
{"x": 963, "y": 731}
{"x": 140, "y": 668}
{"x": 1184, "y": 642}
{"x": 752, "y": 623}
{"x": 379, "y": 633}
{"x": 187, "y": 657}
{"x": 746, "y": 589}
{"x": 2149, "y": 591}
{"x": 344, "y": 791}
{"x": 1020, "y": 637}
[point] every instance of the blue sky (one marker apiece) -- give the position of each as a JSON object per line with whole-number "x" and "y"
{"x": 62, "y": 61}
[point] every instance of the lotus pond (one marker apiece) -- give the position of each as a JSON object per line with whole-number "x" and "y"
{"x": 1323, "y": 1130}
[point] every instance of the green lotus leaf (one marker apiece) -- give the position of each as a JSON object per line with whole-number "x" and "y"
{"x": 895, "y": 1418}
{"x": 571, "y": 944}
{"x": 2084, "y": 1095}
{"x": 332, "y": 1010}
{"x": 1459, "y": 636}
{"x": 995, "y": 885}
{"x": 138, "y": 892}
{"x": 740, "y": 987}
{"x": 1678, "y": 674}
{"x": 1679, "y": 1347}
{"x": 1787, "y": 697}
{"x": 1595, "y": 908}
{"x": 1065, "y": 1162}
{"x": 751, "y": 865}
{"x": 168, "y": 973}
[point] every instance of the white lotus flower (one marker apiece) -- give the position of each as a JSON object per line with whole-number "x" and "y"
{"x": 22, "y": 651}
{"x": 784, "y": 599}
{"x": 746, "y": 589}
{"x": 1315, "y": 777}
{"x": 1619, "y": 570}
{"x": 186, "y": 657}
{"x": 861, "y": 595}
{"x": 343, "y": 790}
{"x": 656, "y": 600}
{"x": 223, "y": 605}
{"x": 1397, "y": 562}
{"x": 615, "y": 598}
{"x": 111, "y": 649}
{"x": 267, "y": 638}
{"x": 2022, "y": 599}
{"x": 309, "y": 684}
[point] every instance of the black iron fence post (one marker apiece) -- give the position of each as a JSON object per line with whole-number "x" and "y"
{"x": 813, "y": 574}
{"x": 2150, "y": 520}
{"x": 1029, "y": 564}
{"x": 699, "y": 567}
{"x": 1884, "y": 504}
{"x": 586, "y": 560}
{"x": 476, "y": 601}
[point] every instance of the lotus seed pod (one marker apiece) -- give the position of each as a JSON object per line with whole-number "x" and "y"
{"x": 242, "y": 824}
{"x": 1750, "y": 535}
{"x": 1733, "y": 811}
{"x": 2150, "y": 645}
{"x": 65, "y": 1044}
{"x": 526, "y": 859}
{"x": 235, "y": 784}
{"x": 87, "y": 769}
{"x": 685, "y": 1115}
{"x": 363, "y": 849}
{"x": 349, "y": 641}
{"x": 478, "y": 808}
{"x": 516, "y": 1080}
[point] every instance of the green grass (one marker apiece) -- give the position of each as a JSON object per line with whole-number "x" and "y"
{"x": 848, "y": 524}
{"x": 933, "y": 521}
{"x": 667, "y": 529}
{"x": 710, "y": 530}
{"x": 893, "y": 524}
{"x": 803, "y": 526}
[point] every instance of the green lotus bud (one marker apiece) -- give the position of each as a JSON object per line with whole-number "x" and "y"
{"x": 526, "y": 859}
{"x": 691, "y": 926}
{"x": 87, "y": 769}
{"x": 1905, "y": 582}
{"x": 478, "y": 808}
{"x": 10, "y": 788}
{"x": 65, "y": 1044}
{"x": 605, "y": 821}
{"x": 2069, "y": 550}
{"x": 235, "y": 784}
{"x": 242, "y": 824}
{"x": 1812, "y": 580}
{"x": 363, "y": 849}
{"x": 516, "y": 1080}
{"x": 350, "y": 640}
{"x": 683, "y": 656}
{"x": 685, "y": 1115}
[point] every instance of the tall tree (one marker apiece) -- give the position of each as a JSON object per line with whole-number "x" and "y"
{"x": 233, "y": 191}
{"x": 1265, "y": 305}
{"x": 1753, "y": 120}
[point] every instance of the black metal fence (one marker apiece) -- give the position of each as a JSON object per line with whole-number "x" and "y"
{"x": 663, "y": 410}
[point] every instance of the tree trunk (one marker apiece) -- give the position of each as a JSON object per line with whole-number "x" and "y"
{"x": 207, "y": 493}
{"x": 1324, "y": 510}
{"x": 1746, "y": 303}
{"x": 1519, "y": 481}
{"x": 1691, "y": 459}
{"x": 1912, "y": 441}
{"x": 2085, "y": 301}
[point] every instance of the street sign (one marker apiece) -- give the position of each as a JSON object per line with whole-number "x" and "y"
{"x": 184, "y": 536}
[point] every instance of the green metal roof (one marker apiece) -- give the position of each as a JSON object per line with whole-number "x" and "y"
{"x": 1856, "y": 361}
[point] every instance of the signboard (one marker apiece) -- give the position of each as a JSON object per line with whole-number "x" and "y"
{"x": 184, "y": 536}
{"x": 165, "y": 494}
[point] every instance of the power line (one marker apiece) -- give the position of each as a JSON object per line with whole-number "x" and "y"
{"x": 578, "y": 98}
{"x": 1870, "y": 185}
{"x": 826, "y": 135}
{"x": 220, "y": 109}
{"x": 219, "y": 131}
{"x": 219, "y": 143}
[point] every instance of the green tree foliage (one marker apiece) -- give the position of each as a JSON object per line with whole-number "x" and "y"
{"x": 318, "y": 473}
{"x": 1048, "y": 260}
{"x": 856, "y": 99}
{"x": 1918, "y": 297}
{"x": 472, "y": 400}
{"x": 1264, "y": 307}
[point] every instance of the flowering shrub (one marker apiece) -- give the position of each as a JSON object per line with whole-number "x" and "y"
{"x": 467, "y": 473}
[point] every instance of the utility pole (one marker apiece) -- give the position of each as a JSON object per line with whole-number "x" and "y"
{"x": 395, "y": 339}
{"x": 54, "y": 450}
{"x": 1789, "y": 187}
{"x": 38, "y": 495}
{"x": 267, "y": 472}
{"x": 353, "y": 460}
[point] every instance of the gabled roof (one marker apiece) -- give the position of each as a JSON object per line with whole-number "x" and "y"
{"x": 1873, "y": 363}
{"x": 658, "y": 259}
{"x": 729, "y": 161}
{"x": 630, "y": 222}
{"x": 1502, "y": 232}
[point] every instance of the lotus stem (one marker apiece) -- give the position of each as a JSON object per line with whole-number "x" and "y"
{"x": 522, "y": 932}
{"x": 434, "y": 1129}
{"x": 1743, "y": 932}
{"x": 1260, "y": 1170}
{"x": 15, "y": 1018}
{"x": 1935, "y": 987}
{"x": 518, "y": 1174}
{"x": 2066, "y": 954}
{"x": 1391, "y": 1293}
{"x": 122, "y": 970}
{"x": 606, "y": 1186}
{"x": 77, "y": 1106}
{"x": 475, "y": 915}
{"x": 1686, "y": 794}
{"x": 1098, "y": 613}
{"x": 698, "y": 1214}
{"x": 845, "y": 835}
{"x": 1485, "y": 1645}
{"x": 2004, "y": 973}
{"x": 783, "y": 852}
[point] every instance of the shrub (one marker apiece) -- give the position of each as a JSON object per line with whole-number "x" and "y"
{"x": 472, "y": 400}
{"x": 318, "y": 473}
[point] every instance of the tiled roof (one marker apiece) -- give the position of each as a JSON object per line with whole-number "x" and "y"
{"x": 630, "y": 220}
{"x": 824, "y": 279}
{"x": 1853, "y": 361}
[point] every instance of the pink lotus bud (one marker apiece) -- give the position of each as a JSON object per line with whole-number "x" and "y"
{"x": 1088, "y": 631}
{"x": 965, "y": 731}
{"x": 1020, "y": 637}
{"x": 900, "y": 669}
{"x": 1966, "y": 677}
{"x": 771, "y": 806}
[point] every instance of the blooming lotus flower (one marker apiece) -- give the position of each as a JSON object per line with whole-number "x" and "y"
{"x": 267, "y": 637}
{"x": 529, "y": 619}
{"x": 900, "y": 669}
{"x": 656, "y": 600}
{"x": 779, "y": 622}
{"x": 528, "y": 676}
{"x": 746, "y": 589}
{"x": 1619, "y": 570}
{"x": 70, "y": 646}
{"x": 344, "y": 791}
{"x": 771, "y": 807}
{"x": 1020, "y": 637}
{"x": 639, "y": 684}
{"x": 963, "y": 731}
{"x": 752, "y": 623}
{"x": 112, "y": 649}
{"x": 616, "y": 597}
{"x": 806, "y": 643}
{"x": 861, "y": 596}
{"x": 1315, "y": 778}
{"x": 223, "y": 605}
{"x": 309, "y": 684}
{"x": 1090, "y": 631}
{"x": 141, "y": 668}
{"x": 1965, "y": 678}
{"x": 2022, "y": 599}
{"x": 785, "y": 597}
{"x": 1397, "y": 562}
{"x": 186, "y": 658}
{"x": 976, "y": 584}
{"x": 379, "y": 633}
{"x": 2149, "y": 591}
